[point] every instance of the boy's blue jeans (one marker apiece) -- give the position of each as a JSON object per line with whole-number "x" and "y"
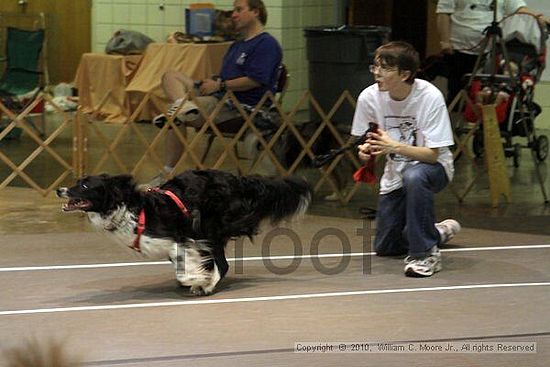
{"x": 405, "y": 222}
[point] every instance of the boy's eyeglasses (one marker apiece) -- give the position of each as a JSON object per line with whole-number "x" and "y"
{"x": 380, "y": 69}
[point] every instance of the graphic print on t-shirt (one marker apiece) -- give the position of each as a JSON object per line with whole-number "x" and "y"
{"x": 401, "y": 129}
{"x": 241, "y": 59}
{"x": 482, "y": 5}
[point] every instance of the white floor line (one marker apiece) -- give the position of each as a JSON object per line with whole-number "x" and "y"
{"x": 268, "y": 298}
{"x": 256, "y": 258}
{"x": 83, "y": 266}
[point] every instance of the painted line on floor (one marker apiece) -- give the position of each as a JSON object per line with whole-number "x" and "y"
{"x": 269, "y": 298}
{"x": 255, "y": 258}
{"x": 85, "y": 266}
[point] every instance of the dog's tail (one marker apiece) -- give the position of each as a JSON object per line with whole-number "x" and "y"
{"x": 269, "y": 199}
{"x": 290, "y": 197}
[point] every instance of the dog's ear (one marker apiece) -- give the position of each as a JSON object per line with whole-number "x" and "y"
{"x": 103, "y": 176}
{"x": 123, "y": 180}
{"x": 122, "y": 188}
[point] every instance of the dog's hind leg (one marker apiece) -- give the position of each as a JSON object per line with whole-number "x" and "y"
{"x": 216, "y": 265}
{"x": 196, "y": 267}
{"x": 219, "y": 257}
{"x": 207, "y": 284}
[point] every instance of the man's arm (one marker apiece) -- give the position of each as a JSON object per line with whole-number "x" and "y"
{"x": 209, "y": 86}
{"x": 539, "y": 16}
{"x": 241, "y": 84}
{"x": 444, "y": 29}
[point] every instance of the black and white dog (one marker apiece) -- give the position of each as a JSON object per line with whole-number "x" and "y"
{"x": 190, "y": 218}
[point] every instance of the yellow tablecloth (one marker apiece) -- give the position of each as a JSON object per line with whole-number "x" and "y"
{"x": 128, "y": 79}
{"x": 98, "y": 75}
{"x": 199, "y": 61}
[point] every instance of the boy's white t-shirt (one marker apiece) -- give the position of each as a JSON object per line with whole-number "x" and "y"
{"x": 421, "y": 120}
{"x": 469, "y": 18}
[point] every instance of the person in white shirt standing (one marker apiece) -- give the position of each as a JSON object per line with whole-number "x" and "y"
{"x": 415, "y": 135}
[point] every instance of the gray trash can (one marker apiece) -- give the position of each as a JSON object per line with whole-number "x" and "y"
{"x": 339, "y": 59}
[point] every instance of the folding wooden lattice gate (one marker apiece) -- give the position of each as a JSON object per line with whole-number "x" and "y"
{"x": 136, "y": 148}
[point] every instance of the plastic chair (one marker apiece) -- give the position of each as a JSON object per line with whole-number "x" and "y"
{"x": 230, "y": 128}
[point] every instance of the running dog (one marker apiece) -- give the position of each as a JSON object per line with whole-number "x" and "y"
{"x": 190, "y": 218}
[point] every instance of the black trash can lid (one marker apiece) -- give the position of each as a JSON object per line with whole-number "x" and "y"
{"x": 344, "y": 29}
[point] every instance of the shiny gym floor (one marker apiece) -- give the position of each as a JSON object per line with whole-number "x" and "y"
{"x": 62, "y": 282}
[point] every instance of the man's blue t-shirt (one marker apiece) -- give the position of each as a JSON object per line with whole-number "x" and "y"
{"x": 259, "y": 59}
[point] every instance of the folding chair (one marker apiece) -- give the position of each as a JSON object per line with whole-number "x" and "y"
{"x": 23, "y": 59}
{"x": 230, "y": 128}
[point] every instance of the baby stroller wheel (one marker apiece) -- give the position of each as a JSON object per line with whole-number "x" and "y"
{"x": 517, "y": 154}
{"x": 541, "y": 147}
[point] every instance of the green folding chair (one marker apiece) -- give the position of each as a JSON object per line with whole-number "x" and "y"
{"x": 22, "y": 61}
{"x": 22, "y": 73}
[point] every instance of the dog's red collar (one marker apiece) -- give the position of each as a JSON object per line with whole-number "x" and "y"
{"x": 141, "y": 218}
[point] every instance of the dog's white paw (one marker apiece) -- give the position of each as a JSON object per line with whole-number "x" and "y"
{"x": 200, "y": 281}
{"x": 197, "y": 290}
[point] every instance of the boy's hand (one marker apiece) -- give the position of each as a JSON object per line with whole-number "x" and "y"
{"x": 364, "y": 152}
{"x": 381, "y": 143}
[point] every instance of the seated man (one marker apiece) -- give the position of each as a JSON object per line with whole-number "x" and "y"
{"x": 249, "y": 70}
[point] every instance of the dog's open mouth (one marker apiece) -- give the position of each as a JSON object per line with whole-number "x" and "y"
{"x": 77, "y": 204}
